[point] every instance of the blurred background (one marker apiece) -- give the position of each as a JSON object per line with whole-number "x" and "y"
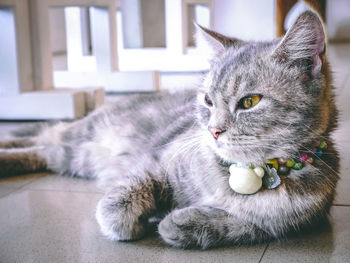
{"x": 58, "y": 58}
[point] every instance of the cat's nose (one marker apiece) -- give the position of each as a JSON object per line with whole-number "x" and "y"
{"x": 215, "y": 131}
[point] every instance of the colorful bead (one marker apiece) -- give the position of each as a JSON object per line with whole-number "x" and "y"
{"x": 290, "y": 163}
{"x": 323, "y": 145}
{"x": 274, "y": 163}
{"x": 319, "y": 153}
{"x": 283, "y": 170}
{"x": 298, "y": 166}
{"x": 282, "y": 160}
{"x": 303, "y": 157}
{"x": 310, "y": 160}
{"x": 283, "y": 165}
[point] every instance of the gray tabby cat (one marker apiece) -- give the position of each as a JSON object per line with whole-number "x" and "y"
{"x": 168, "y": 156}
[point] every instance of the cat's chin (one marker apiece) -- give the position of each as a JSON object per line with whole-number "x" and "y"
{"x": 236, "y": 154}
{"x": 230, "y": 156}
{"x": 232, "y": 153}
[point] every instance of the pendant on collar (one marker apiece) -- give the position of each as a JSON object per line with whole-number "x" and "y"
{"x": 246, "y": 180}
{"x": 249, "y": 180}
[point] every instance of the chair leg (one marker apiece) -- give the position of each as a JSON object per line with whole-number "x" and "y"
{"x": 284, "y": 6}
{"x": 282, "y": 9}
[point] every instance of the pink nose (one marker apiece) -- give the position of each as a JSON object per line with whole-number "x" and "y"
{"x": 215, "y": 132}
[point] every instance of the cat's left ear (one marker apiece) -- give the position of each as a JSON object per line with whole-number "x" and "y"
{"x": 304, "y": 42}
{"x": 215, "y": 42}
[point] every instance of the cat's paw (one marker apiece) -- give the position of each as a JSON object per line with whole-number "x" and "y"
{"x": 184, "y": 228}
{"x": 118, "y": 220}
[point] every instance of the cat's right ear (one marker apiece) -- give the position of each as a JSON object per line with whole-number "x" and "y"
{"x": 304, "y": 41}
{"x": 215, "y": 42}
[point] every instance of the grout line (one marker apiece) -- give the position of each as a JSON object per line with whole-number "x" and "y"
{"x": 263, "y": 254}
{"x": 46, "y": 190}
{"x": 58, "y": 190}
{"x": 341, "y": 205}
{"x": 12, "y": 190}
{"x": 64, "y": 191}
{"x": 19, "y": 188}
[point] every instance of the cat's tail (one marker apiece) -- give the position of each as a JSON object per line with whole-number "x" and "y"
{"x": 16, "y": 161}
{"x": 19, "y": 153}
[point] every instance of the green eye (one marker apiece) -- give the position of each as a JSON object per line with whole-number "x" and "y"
{"x": 250, "y": 101}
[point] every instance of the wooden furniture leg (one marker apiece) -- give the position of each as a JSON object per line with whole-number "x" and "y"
{"x": 284, "y": 6}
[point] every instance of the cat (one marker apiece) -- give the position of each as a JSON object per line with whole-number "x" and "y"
{"x": 168, "y": 155}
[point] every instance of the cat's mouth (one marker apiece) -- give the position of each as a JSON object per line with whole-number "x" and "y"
{"x": 233, "y": 151}
{"x": 245, "y": 147}
{"x": 249, "y": 151}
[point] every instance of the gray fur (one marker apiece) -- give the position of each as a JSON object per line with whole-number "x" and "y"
{"x": 154, "y": 155}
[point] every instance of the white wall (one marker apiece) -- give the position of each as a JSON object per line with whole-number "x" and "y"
{"x": 338, "y": 19}
{"x": 8, "y": 58}
{"x": 248, "y": 20}
{"x": 255, "y": 19}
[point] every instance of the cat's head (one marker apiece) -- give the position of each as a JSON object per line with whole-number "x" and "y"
{"x": 264, "y": 100}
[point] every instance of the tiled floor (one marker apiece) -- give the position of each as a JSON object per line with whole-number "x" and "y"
{"x": 47, "y": 218}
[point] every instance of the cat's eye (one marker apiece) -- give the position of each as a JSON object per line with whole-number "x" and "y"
{"x": 249, "y": 101}
{"x": 208, "y": 101}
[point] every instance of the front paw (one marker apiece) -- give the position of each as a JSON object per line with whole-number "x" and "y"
{"x": 117, "y": 221}
{"x": 184, "y": 228}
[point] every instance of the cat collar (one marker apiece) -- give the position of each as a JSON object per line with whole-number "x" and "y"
{"x": 249, "y": 179}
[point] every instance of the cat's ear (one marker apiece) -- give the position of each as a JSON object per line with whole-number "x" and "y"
{"x": 304, "y": 42}
{"x": 214, "y": 41}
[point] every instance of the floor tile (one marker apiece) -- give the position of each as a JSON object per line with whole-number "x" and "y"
{"x": 46, "y": 226}
{"x": 331, "y": 244}
{"x": 64, "y": 183}
{"x": 10, "y": 184}
{"x": 5, "y": 191}
{"x": 38, "y": 226}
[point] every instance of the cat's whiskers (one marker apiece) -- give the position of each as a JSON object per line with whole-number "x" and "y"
{"x": 191, "y": 142}
{"x": 266, "y": 139}
{"x": 307, "y": 150}
{"x": 321, "y": 136}
{"x": 261, "y": 137}
{"x": 310, "y": 150}
{"x": 179, "y": 140}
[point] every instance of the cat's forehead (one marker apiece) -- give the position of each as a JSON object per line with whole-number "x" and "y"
{"x": 239, "y": 68}
{"x": 250, "y": 56}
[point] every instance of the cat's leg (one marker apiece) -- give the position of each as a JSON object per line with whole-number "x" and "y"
{"x": 206, "y": 227}
{"x": 124, "y": 211}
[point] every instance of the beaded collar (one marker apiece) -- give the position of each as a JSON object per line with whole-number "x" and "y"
{"x": 283, "y": 166}
{"x": 249, "y": 179}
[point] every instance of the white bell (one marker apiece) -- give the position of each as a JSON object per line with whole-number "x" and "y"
{"x": 246, "y": 180}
